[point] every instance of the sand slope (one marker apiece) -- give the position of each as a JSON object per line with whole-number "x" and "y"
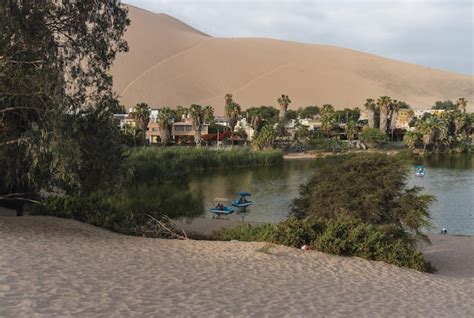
{"x": 170, "y": 64}
{"x": 59, "y": 267}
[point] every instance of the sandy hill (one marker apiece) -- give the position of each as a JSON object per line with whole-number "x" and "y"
{"x": 171, "y": 64}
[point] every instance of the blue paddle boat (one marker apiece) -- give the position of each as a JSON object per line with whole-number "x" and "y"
{"x": 242, "y": 202}
{"x": 220, "y": 209}
{"x": 420, "y": 170}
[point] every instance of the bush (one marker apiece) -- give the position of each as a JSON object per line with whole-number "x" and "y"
{"x": 343, "y": 237}
{"x": 373, "y": 137}
{"x": 371, "y": 188}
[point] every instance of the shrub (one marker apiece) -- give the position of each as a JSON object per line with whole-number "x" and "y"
{"x": 371, "y": 188}
{"x": 345, "y": 237}
{"x": 373, "y": 137}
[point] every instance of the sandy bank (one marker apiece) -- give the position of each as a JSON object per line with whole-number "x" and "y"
{"x": 52, "y": 266}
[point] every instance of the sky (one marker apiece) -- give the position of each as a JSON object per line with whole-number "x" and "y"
{"x": 433, "y": 33}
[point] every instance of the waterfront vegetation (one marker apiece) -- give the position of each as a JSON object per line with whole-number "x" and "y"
{"x": 189, "y": 159}
{"x": 360, "y": 205}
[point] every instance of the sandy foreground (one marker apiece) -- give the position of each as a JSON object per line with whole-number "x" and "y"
{"x": 51, "y": 266}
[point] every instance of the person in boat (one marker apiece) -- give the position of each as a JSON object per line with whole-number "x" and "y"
{"x": 242, "y": 200}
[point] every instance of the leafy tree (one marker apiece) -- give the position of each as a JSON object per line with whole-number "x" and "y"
{"x": 291, "y": 114}
{"x": 141, "y": 115}
{"x": 54, "y": 61}
{"x": 308, "y": 112}
{"x": 347, "y": 114}
{"x": 373, "y": 137}
{"x": 444, "y": 105}
{"x": 165, "y": 122}
{"x": 261, "y": 116}
{"x": 371, "y": 188}
{"x": 283, "y": 101}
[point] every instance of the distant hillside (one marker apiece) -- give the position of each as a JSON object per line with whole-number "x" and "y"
{"x": 171, "y": 64}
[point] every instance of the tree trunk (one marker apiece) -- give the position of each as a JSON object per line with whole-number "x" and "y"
{"x": 383, "y": 119}
{"x": 371, "y": 118}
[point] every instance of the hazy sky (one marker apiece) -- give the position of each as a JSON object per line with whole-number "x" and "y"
{"x": 438, "y": 34}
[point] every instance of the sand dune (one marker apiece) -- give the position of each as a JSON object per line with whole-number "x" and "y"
{"x": 57, "y": 267}
{"x": 171, "y": 64}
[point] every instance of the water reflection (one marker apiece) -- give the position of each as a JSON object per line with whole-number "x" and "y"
{"x": 450, "y": 179}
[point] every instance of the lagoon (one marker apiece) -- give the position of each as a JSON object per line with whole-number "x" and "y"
{"x": 450, "y": 179}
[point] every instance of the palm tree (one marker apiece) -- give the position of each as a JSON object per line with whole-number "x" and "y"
{"x": 181, "y": 112}
{"x": 328, "y": 118}
{"x": 383, "y": 103}
{"x": 232, "y": 111}
{"x": 461, "y": 104}
{"x": 429, "y": 129}
{"x": 164, "y": 120}
{"x": 141, "y": 115}
{"x": 208, "y": 114}
{"x": 370, "y": 107}
{"x": 411, "y": 139}
{"x": 265, "y": 138}
{"x": 197, "y": 116}
{"x": 351, "y": 131}
{"x": 283, "y": 101}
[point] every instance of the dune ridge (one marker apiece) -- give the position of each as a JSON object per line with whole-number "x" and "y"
{"x": 170, "y": 64}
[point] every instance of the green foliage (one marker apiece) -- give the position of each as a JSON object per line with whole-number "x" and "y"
{"x": 347, "y": 115}
{"x": 373, "y": 137}
{"x": 54, "y": 62}
{"x": 265, "y": 138}
{"x": 266, "y": 114}
{"x": 308, "y": 112}
{"x": 371, "y": 188}
{"x": 445, "y": 132}
{"x": 444, "y": 105}
{"x": 291, "y": 114}
{"x": 174, "y": 162}
{"x": 342, "y": 236}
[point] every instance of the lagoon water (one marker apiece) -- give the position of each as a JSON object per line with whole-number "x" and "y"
{"x": 450, "y": 179}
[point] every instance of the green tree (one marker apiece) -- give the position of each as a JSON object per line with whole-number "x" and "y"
{"x": 232, "y": 111}
{"x": 444, "y": 105}
{"x": 428, "y": 128}
{"x": 54, "y": 62}
{"x": 165, "y": 122}
{"x": 141, "y": 115}
{"x": 371, "y": 188}
{"x": 411, "y": 139}
{"x": 308, "y": 112}
{"x": 265, "y": 138}
{"x": 328, "y": 118}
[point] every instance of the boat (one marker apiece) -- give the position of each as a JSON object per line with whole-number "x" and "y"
{"x": 242, "y": 202}
{"x": 420, "y": 170}
{"x": 220, "y": 209}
